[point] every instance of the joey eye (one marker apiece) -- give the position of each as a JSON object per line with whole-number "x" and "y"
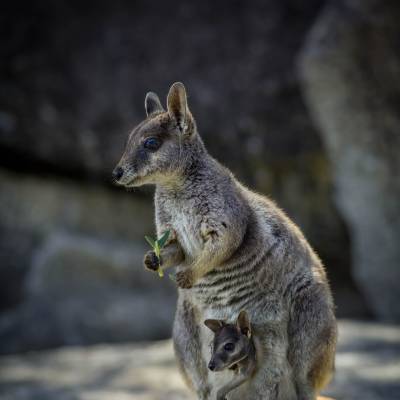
{"x": 229, "y": 347}
{"x": 152, "y": 144}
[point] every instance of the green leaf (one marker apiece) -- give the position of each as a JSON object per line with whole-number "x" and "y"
{"x": 157, "y": 249}
{"x": 160, "y": 272}
{"x": 151, "y": 241}
{"x": 163, "y": 239}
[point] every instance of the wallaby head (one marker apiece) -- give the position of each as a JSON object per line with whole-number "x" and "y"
{"x": 231, "y": 342}
{"x": 157, "y": 148}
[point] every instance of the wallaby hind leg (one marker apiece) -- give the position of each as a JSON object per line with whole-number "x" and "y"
{"x": 312, "y": 348}
{"x": 187, "y": 344}
{"x": 322, "y": 369}
{"x": 272, "y": 380}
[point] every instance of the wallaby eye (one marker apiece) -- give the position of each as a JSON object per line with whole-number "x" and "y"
{"x": 229, "y": 347}
{"x": 152, "y": 144}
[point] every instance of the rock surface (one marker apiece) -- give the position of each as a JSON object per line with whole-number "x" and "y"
{"x": 79, "y": 79}
{"x": 368, "y": 368}
{"x": 73, "y": 80}
{"x": 74, "y": 77}
{"x": 83, "y": 281}
{"x": 351, "y": 70}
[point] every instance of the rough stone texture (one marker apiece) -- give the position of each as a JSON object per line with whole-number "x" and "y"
{"x": 83, "y": 281}
{"x": 73, "y": 80}
{"x": 43, "y": 206}
{"x": 351, "y": 70}
{"x": 368, "y": 368}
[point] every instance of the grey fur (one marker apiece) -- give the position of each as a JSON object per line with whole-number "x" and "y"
{"x": 241, "y": 359}
{"x": 152, "y": 104}
{"x": 235, "y": 250}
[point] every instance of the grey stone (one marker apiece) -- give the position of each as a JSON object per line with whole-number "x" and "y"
{"x": 73, "y": 86}
{"x": 82, "y": 291}
{"x": 367, "y": 362}
{"x": 80, "y": 278}
{"x": 351, "y": 68}
{"x": 367, "y": 367}
{"x": 75, "y": 92}
{"x": 40, "y": 205}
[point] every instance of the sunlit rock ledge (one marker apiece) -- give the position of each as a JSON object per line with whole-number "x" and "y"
{"x": 367, "y": 363}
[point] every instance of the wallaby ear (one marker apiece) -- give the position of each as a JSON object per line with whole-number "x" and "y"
{"x": 214, "y": 324}
{"x": 152, "y": 104}
{"x": 243, "y": 323}
{"x": 177, "y": 104}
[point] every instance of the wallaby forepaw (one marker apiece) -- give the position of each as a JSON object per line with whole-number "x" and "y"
{"x": 151, "y": 261}
{"x": 184, "y": 279}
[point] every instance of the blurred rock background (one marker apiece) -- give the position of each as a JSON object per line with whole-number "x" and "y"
{"x": 300, "y": 99}
{"x": 367, "y": 367}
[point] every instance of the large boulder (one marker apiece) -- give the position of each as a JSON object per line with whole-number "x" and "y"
{"x": 81, "y": 279}
{"x": 73, "y": 84}
{"x": 351, "y": 68}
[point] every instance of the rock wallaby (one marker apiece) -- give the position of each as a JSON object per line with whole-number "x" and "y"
{"x": 232, "y": 348}
{"x": 234, "y": 249}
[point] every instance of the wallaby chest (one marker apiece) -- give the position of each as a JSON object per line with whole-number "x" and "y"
{"x": 184, "y": 219}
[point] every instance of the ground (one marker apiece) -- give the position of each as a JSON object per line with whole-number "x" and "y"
{"x": 368, "y": 368}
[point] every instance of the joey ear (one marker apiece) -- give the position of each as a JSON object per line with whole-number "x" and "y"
{"x": 152, "y": 104}
{"x": 177, "y": 104}
{"x": 243, "y": 323}
{"x": 214, "y": 324}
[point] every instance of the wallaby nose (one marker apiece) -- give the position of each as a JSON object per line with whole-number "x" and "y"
{"x": 117, "y": 173}
{"x": 211, "y": 365}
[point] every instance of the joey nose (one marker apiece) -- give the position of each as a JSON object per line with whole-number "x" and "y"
{"x": 211, "y": 365}
{"x": 117, "y": 173}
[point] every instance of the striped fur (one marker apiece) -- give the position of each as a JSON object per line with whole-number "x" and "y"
{"x": 234, "y": 250}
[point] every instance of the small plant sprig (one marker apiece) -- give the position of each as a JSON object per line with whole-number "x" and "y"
{"x": 157, "y": 245}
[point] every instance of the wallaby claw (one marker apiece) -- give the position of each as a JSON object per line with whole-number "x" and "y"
{"x": 151, "y": 261}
